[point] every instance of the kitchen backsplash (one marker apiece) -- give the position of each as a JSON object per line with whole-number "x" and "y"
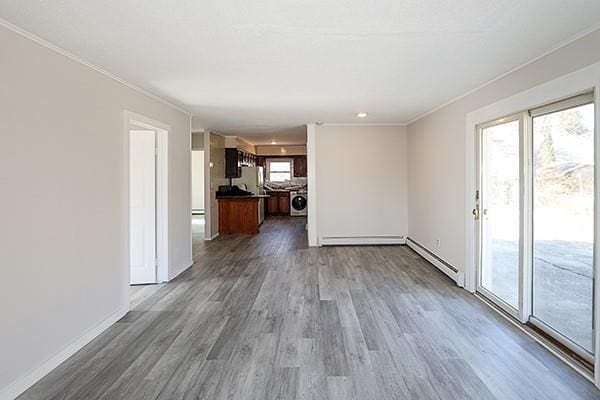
{"x": 294, "y": 184}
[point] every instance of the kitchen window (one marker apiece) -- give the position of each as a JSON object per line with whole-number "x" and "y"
{"x": 279, "y": 170}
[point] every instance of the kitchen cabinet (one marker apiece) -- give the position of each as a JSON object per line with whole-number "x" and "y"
{"x": 235, "y": 159}
{"x": 300, "y": 166}
{"x": 273, "y": 204}
{"x": 240, "y": 214}
{"x": 279, "y": 203}
{"x": 284, "y": 204}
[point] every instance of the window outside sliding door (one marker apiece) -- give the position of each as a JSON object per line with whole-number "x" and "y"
{"x": 535, "y": 210}
{"x": 563, "y": 219}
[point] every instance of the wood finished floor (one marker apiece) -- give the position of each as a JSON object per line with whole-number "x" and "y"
{"x": 265, "y": 317}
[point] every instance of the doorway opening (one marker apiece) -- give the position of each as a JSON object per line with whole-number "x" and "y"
{"x": 147, "y": 189}
{"x": 535, "y": 220}
{"x": 198, "y": 187}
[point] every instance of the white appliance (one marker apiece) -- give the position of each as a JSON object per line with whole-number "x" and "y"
{"x": 252, "y": 180}
{"x": 298, "y": 203}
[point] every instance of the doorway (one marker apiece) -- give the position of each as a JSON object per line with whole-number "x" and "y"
{"x": 535, "y": 213}
{"x": 198, "y": 187}
{"x": 147, "y": 188}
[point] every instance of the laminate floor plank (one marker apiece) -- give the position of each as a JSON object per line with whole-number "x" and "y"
{"x": 265, "y": 317}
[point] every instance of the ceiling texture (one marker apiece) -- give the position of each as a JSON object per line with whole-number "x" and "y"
{"x": 258, "y": 68}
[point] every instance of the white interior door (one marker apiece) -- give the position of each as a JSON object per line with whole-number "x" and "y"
{"x": 142, "y": 198}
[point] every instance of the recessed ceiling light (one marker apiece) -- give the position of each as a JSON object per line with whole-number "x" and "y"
{"x": 362, "y": 115}
{"x": 273, "y": 141}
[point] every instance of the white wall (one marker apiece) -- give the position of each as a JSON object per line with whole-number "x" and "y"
{"x": 361, "y": 183}
{"x": 197, "y": 140}
{"x": 63, "y": 230}
{"x": 217, "y": 177}
{"x": 284, "y": 150}
{"x": 437, "y": 150}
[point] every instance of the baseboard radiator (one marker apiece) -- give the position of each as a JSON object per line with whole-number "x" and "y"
{"x": 447, "y": 268}
{"x": 361, "y": 240}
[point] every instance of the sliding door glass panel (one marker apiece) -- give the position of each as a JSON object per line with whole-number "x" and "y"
{"x": 500, "y": 215}
{"x": 563, "y": 222}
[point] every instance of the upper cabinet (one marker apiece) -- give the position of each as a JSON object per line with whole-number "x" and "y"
{"x": 235, "y": 159}
{"x": 300, "y": 166}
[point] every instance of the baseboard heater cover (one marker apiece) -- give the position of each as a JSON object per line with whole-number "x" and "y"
{"x": 451, "y": 271}
{"x": 361, "y": 240}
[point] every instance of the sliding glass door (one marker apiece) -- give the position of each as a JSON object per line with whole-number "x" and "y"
{"x": 563, "y": 221}
{"x": 535, "y": 211}
{"x": 500, "y": 212}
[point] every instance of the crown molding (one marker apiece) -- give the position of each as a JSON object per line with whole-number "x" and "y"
{"x": 360, "y": 124}
{"x": 88, "y": 64}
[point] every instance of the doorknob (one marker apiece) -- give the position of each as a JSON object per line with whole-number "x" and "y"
{"x": 476, "y": 212}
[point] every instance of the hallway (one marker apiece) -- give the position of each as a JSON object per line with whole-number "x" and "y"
{"x": 265, "y": 317}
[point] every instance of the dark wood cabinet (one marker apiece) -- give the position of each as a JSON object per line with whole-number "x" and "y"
{"x": 300, "y": 166}
{"x": 279, "y": 203}
{"x": 284, "y": 204}
{"x": 235, "y": 159}
{"x": 233, "y": 168}
{"x": 273, "y": 204}
{"x": 239, "y": 215}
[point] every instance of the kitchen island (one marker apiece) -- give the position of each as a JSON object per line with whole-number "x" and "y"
{"x": 240, "y": 214}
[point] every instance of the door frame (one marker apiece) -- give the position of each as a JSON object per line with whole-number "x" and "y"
{"x": 131, "y": 121}
{"x": 566, "y": 86}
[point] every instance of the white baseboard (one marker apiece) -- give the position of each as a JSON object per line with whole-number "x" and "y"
{"x": 452, "y": 272}
{"x": 25, "y": 382}
{"x": 360, "y": 240}
{"x": 213, "y": 237}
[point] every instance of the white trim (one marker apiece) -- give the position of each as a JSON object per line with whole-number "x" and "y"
{"x": 162, "y": 193}
{"x": 458, "y": 277}
{"x": 548, "y": 52}
{"x": 526, "y": 232}
{"x": 362, "y": 124}
{"x": 81, "y": 61}
{"x": 213, "y": 237}
{"x": 597, "y": 236}
{"x": 311, "y": 178}
{"x": 207, "y": 188}
{"x": 361, "y": 240}
{"x": 191, "y": 191}
{"x": 20, "y": 385}
{"x": 162, "y": 206}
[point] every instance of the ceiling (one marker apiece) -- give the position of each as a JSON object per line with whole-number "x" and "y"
{"x": 260, "y": 68}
